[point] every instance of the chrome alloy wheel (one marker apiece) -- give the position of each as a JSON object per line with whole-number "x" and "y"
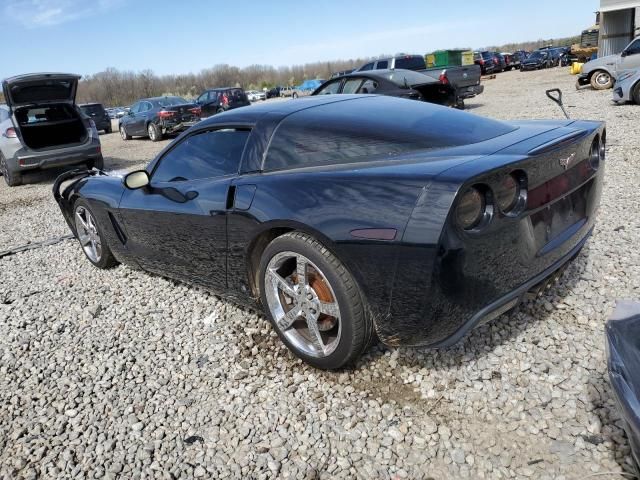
{"x": 151, "y": 131}
{"x": 303, "y": 304}
{"x": 123, "y": 132}
{"x": 603, "y": 78}
{"x": 88, "y": 234}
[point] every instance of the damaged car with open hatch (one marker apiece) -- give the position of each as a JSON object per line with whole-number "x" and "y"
{"x": 42, "y": 127}
{"x": 346, "y": 217}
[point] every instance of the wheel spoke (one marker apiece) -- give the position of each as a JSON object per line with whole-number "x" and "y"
{"x": 288, "y": 318}
{"x": 84, "y": 239}
{"x": 90, "y": 222}
{"x": 314, "y": 333}
{"x": 301, "y": 270}
{"x": 82, "y": 222}
{"x": 330, "y": 308}
{"x": 281, "y": 283}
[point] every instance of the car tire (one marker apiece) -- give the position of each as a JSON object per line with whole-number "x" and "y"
{"x": 96, "y": 163}
{"x": 219, "y": 110}
{"x": 601, "y": 80}
{"x": 154, "y": 132}
{"x": 124, "y": 134}
{"x": 89, "y": 234}
{"x": 294, "y": 95}
{"x": 12, "y": 179}
{"x": 327, "y": 287}
{"x": 635, "y": 94}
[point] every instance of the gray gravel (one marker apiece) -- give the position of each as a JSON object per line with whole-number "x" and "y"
{"x": 122, "y": 374}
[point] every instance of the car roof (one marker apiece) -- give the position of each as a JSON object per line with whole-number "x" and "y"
{"x": 251, "y": 114}
{"x": 89, "y": 104}
{"x": 223, "y": 88}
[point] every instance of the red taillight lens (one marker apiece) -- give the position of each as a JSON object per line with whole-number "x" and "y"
{"x": 481, "y": 61}
{"x": 495, "y": 60}
{"x": 196, "y": 111}
{"x": 225, "y": 99}
{"x": 165, "y": 114}
{"x": 10, "y": 133}
{"x": 443, "y": 79}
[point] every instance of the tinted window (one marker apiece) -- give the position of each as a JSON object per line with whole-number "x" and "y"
{"x": 382, "y": 64}
{"x": 372, "y": 128}
{"x": 92, "y": 109}
{"x": 167, "y": 101}
{"x": 368, "y": 66}
{"x": 369, "y": 86}
{"x": 634, "y": 48}
{"x": 351, "y": 85}
{"x": 410, "y": 63}
{"x": 205, "y": 155}
{"x": 331, "y": 88}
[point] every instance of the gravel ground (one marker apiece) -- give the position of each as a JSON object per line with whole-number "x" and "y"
{"x": 122, "y": 374}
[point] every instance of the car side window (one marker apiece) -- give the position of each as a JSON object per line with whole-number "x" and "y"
{"x": 382, "y": 65}
{"x": 330, "y": 88}
{"x": 203, "y": 98}
{"x": 135, "y": 108}
{"x": 368, "y": 66}
{"x": 351, "y": 85}
{"x": 145, "y": 107}
{"x": 209, "y": 154}
{"x": 369, "y": 86}
{"x": 634, "y": 48}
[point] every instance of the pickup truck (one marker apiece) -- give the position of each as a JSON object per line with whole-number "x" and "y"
{"x": 602, "y": 72}
{"x": 464, "y": 80}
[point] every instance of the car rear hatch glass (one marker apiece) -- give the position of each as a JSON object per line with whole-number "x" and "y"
{"x": 39, "y": 88}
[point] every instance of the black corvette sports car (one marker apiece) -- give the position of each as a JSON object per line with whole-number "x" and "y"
{"x": 349, "y": 216}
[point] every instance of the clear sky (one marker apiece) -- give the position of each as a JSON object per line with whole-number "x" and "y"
{"x": 169, "y": 36}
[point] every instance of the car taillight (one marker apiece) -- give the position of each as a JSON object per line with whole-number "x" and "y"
{"x": 165, "y": 114}
{"x": 196, "y": 111}
{"x": 495, "y": 60}
{"x": 443, "y": 79}
{"x": 481, "y": 61}
{"x": 10, "y": 133}
{"x": 470, "y": 208}
{"x": 507, "y": 193}
{"x": 225, "y": 99}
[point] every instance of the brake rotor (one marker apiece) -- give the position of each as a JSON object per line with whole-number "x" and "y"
{"x": 317, "y": 283}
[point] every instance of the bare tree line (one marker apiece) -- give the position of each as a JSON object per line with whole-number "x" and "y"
{"x": 114, "y": 87}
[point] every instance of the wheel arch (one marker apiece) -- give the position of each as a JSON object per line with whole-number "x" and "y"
{"x": 267, "y": 234}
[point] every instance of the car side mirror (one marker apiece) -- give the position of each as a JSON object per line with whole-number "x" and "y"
{"x": 624, "y": 53}
{"x": 137, "y": 179}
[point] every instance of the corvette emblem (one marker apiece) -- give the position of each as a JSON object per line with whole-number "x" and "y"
{"x": 566, "y": 162}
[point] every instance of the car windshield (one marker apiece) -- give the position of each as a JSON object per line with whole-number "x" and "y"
{"x": 410, "y": 63}
{"x": 537, "y": 55}
{"x": 167, "y": 101}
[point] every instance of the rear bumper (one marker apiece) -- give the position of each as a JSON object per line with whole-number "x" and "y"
{"x": 24, "y": 160}
{"x": 471, "y": 91}
{"x": 510, "y": 300}
{"x": 173, "y": 127}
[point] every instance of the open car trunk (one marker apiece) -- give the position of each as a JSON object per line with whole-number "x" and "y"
{"x": 50, "y": 125}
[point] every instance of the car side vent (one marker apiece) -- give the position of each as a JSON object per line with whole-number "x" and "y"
{"x": 116, "y": 226}
{"x": 231, "y": 195}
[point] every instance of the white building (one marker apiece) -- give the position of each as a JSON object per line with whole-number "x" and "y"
{"x": 619, "y": 24}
